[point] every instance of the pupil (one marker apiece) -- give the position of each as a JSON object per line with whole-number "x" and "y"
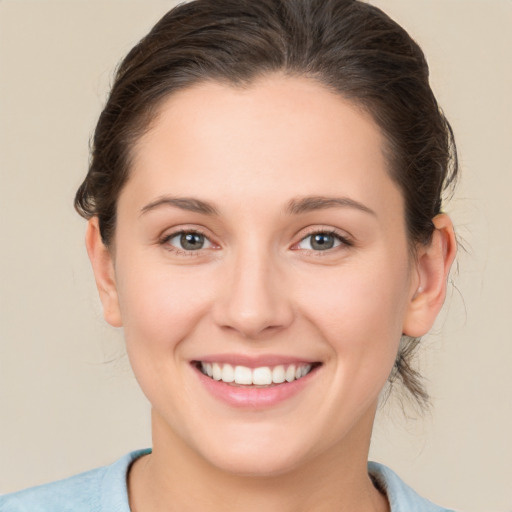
{"x": 191, "y": 241}
{"x": 322, "y": 241}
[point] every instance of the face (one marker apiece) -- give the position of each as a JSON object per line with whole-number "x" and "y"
{"x": 260, "y": 238}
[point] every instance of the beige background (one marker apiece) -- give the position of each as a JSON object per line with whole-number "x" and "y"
{"x": 68, "y": 400}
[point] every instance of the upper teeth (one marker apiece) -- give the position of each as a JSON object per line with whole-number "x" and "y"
{"x": 261, "y": 376}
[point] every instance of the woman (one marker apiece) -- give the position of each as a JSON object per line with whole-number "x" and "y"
{"x": 264, "y": 205}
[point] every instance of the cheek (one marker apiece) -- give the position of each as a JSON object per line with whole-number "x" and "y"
{"x": 359, "y": 311}
{"x": 160, "y": 308}
{"x": 160, "y": 305}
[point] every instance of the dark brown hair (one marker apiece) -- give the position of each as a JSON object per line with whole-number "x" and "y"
{"x": 348, "y": 46}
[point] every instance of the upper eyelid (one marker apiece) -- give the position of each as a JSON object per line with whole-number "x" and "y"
{"x": 342, "y": 241}
{"x": 342, "y": 235}
{"x": 314, "y": 231}
{"x": 169, "y": 235}
{"x": 172, "y": 232}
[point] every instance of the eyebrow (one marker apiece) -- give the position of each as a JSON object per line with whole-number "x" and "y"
{"x": 185, "y": 203}
{"x": 294, "y": 206}
{"x": 312, "y": 203}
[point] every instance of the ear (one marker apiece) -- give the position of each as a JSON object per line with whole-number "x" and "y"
{"x": 103, "y": 268}
{"x": 433, "y": 262}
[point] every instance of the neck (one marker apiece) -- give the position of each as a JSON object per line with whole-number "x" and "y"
{"x": 176, "y": 478}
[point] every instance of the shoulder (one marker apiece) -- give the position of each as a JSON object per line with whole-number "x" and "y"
{"x": 401, "y": 497}
{"x": 99, "y": 490}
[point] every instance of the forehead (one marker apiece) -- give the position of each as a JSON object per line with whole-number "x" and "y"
{"x": 280, "y": 136}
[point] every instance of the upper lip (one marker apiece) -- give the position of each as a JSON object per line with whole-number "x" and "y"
{"x": 253, "y": 361}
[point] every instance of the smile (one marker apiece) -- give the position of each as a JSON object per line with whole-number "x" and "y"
{"x": 260, "y": 376}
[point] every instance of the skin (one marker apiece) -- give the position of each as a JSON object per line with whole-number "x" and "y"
{"x": 258, "y": 287}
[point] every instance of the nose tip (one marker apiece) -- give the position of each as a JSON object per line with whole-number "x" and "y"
{"x": 255, "y": 322}
{"x": 255, "y": 302}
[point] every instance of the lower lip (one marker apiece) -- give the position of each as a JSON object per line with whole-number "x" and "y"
{"x": 251, "y": 396}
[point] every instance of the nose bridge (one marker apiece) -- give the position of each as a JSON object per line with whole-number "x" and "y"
{"x": 254, "y": 299}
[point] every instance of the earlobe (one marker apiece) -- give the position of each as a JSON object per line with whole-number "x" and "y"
{"x": 103, "y": 268}
{"x": 433, "y": 263}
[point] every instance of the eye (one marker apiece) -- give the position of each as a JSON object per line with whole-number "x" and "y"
{"x": 188, "y": 241}
{"x": 322, "y": 241}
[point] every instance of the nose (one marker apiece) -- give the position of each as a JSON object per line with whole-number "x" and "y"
{"x": 255, "y": 300}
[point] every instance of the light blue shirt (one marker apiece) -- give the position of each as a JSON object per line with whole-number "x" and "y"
{"x": 104, "y": 490}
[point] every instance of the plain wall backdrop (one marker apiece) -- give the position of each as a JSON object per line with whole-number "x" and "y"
{"x": 68, "y": 400}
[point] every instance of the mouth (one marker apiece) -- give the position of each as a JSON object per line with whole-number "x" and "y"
{"x": 259, "y": 377}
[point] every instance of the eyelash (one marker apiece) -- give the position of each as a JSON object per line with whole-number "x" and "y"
{"x": 344, "y": 241}
{"x": 183, "y": 252}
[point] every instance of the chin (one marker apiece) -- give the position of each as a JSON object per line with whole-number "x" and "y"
{"x": 255, "y": 463}
{"x": 266, "y": 451}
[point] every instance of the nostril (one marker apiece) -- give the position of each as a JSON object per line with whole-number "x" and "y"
{"x": 246, "y": 331}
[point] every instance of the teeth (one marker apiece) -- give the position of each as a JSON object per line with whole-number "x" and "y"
{"x": 262, "y": 376}
{"x": 243, "y": 375}
{"x": 228, "y": 374}
{"x": 290, "y": 373}
{"x": 278, "y": 375}
{"x": 217, "y": 371}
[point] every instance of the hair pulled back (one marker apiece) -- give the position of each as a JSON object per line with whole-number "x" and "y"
{"x": 348, "y": 46}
